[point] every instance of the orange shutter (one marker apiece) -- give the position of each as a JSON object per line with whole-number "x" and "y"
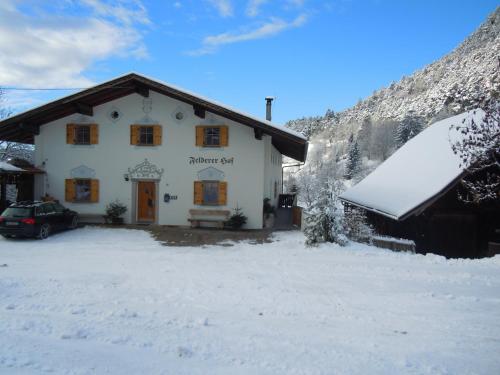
{"x": 69, "y": 190}
{"x": 134, "y": 134}
{"x": 94, "y": 134}
{"x": 198, "y": 192}
{"x": 222, "y": 193}
{"x": 224, "y": 135}
{"x": 199, "y": 136}
{"x": 94, "y": 191}
{"x": 70, "y": 134}
{"x": 157, "y": 135}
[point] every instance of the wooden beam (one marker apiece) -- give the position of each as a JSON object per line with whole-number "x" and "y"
{"x": 142, "y": 91}
{"x": 84, "y": 109}
{"x": 199, "y": 111}
{"x": 29, "y": 128}
{"x": 258, "y": 133}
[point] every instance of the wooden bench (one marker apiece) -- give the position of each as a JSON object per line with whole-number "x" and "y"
{"x": 93, "y": 218}
{"x": 208, "y": 216}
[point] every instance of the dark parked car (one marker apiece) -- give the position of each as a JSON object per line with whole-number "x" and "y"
{"x": 36, "y": 219}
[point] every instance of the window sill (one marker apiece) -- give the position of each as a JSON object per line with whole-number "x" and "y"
{"x": 74, "y": 145}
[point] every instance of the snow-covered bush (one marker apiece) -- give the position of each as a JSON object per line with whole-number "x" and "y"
{"x": 115, "y": 210}
{"x": 356, "y": 225}
{"x": 324, "y": 221}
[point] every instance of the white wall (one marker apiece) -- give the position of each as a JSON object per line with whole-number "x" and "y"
{"x": 111, "y": 158}
{"x": 272, "y": 171}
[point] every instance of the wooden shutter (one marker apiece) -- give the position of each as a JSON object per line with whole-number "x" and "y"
{"x": 70, "y": 134}
{"x": 222, "y": 193}
{"x": 134, "y": 134}
{"x": 94, "y": 191}
{"x": 199, "y": 136}
{"x": 94, "y": 134}
{"x": 198, "y": 192}
{"x": 157, "y": 135}
{"x": 69, "y": 190}
{"x": 224, "y": 135}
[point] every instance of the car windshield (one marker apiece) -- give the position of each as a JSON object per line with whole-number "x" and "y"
{"x": 17, "y": 212}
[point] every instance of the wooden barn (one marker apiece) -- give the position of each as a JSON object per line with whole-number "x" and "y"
{"x": 413, "y": 195}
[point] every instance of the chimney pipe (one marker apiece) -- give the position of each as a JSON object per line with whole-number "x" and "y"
{"x": 269, "y": 103}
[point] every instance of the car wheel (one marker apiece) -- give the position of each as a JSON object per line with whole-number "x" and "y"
{"x": 74, "y": 222}
{"x": 44, "y": 231}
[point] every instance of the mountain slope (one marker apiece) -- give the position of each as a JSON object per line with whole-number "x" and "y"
{"x": 471, "y": 70}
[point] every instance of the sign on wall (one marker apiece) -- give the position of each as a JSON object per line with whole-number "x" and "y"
{"x": 203, "y": 160}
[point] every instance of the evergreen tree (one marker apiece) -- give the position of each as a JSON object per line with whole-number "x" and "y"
{"x": 353, "y": 159}
{"x": 357, "y": 227}
{"x": 407, "y": 129}
{"x": 324, "y": 222}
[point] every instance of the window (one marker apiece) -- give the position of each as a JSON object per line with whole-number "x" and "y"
{"x": 82, "y": 134}
{"x": 82, "y": 190}
{"x": 210, "y": 193}
{"x": 212, "y": 136}
{"x": 58, "y": 207}
{"x": 17, "y": 212}
{"x": 145, "y": 135}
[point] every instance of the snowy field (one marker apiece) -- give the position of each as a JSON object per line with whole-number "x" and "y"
{"x": 113, "y": 301}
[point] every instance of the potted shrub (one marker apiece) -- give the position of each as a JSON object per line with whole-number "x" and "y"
{"x": 268, "y": 212}
{"x": 114, "y": 211}
{"x": 237, "y": 220}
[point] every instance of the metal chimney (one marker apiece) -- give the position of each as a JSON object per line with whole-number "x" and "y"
{"x": 269, "y": 104}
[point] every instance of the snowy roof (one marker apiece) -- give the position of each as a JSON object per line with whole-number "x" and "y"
{"x": 287, "y": 141}
{"x": 4, "y": 166}
{"x": 419, "y": 171}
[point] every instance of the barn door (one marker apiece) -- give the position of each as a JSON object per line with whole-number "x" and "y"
{"x": 146, "y": 201}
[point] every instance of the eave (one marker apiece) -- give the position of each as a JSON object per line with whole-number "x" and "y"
{"x": 24, "y": 126}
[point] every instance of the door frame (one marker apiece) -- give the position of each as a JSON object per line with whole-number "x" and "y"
{"x": 135, "y": 200}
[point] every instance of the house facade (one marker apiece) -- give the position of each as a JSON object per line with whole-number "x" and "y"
{"x": 159, "y": 150}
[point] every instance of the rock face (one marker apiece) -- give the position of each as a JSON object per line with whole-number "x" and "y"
{"x": 469, "y": 71}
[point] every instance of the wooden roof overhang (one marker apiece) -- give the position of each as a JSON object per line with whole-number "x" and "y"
{"x": 32, "y": 170}
{"x": 417, "y": 210}
{"x": 22, "y": 127}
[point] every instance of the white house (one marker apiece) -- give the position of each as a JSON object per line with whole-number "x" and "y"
{"x": 160, "y": 150}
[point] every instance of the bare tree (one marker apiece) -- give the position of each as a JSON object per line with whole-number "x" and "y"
{"x": 479, "y": 152}
{"x": 12, "y": 150}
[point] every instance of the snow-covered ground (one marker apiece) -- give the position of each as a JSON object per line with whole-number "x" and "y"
{"x": 114, "y": 301}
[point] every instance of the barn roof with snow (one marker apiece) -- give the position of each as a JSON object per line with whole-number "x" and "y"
{"x": 415, "y": 176}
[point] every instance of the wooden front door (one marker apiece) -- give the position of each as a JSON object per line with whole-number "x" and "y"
{"x": 146, "y": 201}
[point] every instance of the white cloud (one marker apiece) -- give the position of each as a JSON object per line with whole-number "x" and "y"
{"x": 253, "y": 7}
{"x": 125, "y": 11}
{"x": 274, "y": 27}
{"x": 224, "y": 7}
{"x": 50, "y": 50}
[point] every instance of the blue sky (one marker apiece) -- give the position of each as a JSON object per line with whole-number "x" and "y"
{"x": 311, "y": 55}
